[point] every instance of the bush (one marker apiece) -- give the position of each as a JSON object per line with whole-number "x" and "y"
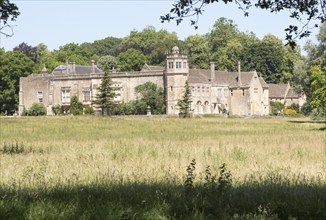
{"x": 89, "y": 110}
{"x": 37, "y": 109}
{"x": 277, "y": 107}
{"x": 76, "y": 107}
{"x": 295, "y": 107}
{"x": 57, "y": 109}
{"x": 290, "y": 112}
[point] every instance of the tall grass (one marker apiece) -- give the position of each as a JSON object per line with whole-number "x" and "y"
{"x": 136, "y": 166}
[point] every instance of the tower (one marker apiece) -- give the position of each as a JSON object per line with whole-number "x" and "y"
{"x": 175, "y": 75}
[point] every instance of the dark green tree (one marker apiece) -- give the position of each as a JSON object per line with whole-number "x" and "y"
{"x": 185, "y": 102}
{"x": 152, "y": 96}
{"x": 8, "y": 11}
{"x": 13, "y": 65}
{"x": 76, "y": 107}
{"x": 198, "y": 52}
{"x": 105, "y": 96}
{"x": 318, "y": 88}
{"x": 131, "y": 60}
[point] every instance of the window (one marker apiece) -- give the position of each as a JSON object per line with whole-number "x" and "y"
{"x": 184, "y": 64}
{"x": 243, "y": 92}
{"x": 40, "y": 97}
{"x": 178, "y": 65}
{"x": 86, "y": 96}
{"x": 226, "y": 92}
{"x": 171, "y": 88}
{"x": 65, "y": 95}
{"x": 219, "y": 92}
{"x": 170, "y": 65}
{"x": 231, "y": 92}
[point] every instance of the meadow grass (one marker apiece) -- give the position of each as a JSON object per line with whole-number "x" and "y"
{"x": 135, "y": 168}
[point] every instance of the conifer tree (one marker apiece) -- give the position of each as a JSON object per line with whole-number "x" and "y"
{"x": 184, "y": 103}
{"x": 105, "y": 95}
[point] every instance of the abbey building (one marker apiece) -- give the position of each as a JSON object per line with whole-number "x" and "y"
{"x": 213, "y": 92}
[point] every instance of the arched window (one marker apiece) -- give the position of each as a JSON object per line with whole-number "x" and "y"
{"x": 205, "y": 107}
{"x": 198, "y": 107}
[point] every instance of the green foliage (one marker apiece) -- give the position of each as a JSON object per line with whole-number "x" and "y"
{"x": 37, "y": 109}
{"x": 184, "y": 103}
{"x": 131, "y": 60}
{"x": 152, "y": 95}
{"x": 198, "y": 52}
{"x": 8, "y": 11}
{"x": 57, "y": 109}
{"x": 107, "y": 63}
{"x": 13, "y": 65}
{"x": 105, "y": 96}
{"x": 76, "y": 107}
{"x": 277, "y": 107}
{"x": 153, "y": 44}
{"x": 89, "y": 110}
{"x": 318, "y": 88}
{"x": 295, "y": 107}
{"x": 302, "y": 11}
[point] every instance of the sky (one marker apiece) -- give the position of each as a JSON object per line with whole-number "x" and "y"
{"x": 56, "y": 23}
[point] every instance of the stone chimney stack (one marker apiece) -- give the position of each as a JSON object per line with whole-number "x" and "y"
{"x": 93, "y": 67}
{"x": 67, "y": 67}
{"x": 239, "y": 72}
{"x": 74, "y": 67}
{"x": 212, "y": 71}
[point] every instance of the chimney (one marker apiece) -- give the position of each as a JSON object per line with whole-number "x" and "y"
{"x": 67, "y": 67}
{"x": 74, "y": 67}
{"x": 239, "y": 72}
{"x": 93, "y": 67}
{"x": 212, "y": 71}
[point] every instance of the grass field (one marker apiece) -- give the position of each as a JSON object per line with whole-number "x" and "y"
{"x": 136, "y": 168}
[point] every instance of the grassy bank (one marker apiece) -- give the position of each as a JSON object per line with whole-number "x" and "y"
{"x": 135, "y": 168}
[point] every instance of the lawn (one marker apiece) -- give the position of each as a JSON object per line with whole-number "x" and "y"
{"x": 139, "y": 168}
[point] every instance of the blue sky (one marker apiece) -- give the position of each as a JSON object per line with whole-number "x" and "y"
{"x": 56, "y": 23}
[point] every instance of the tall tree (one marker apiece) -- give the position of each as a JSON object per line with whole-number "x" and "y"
{"x": 302, "y": 11}
{"x": 105, "y": 96}
{"x": 318, "y": 88}
{"x": 131, "y": 60}
{"x": 28, "y": 50}
{"x": 107, "y": 63}
{"x": 152, "y": 95}
{"x": 198, "y": 52}
{"x": 13, "y": 65}
{"x": 184, "y": 103}
{"x": 267, "y": 57}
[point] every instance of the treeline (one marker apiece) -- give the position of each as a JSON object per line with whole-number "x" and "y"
{"x": 224, "y": 44}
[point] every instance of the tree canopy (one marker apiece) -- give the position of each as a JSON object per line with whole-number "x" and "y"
{"x": 302, "y": 11}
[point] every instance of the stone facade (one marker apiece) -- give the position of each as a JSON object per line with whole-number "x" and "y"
{"x": 213, "y": 92}
{"x": 284, "y": 93}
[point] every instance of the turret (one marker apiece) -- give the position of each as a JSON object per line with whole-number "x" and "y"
{"x": 176, "y": 74}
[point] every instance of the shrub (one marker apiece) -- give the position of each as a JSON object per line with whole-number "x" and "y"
{"x": 89, "y": 110}
{"x": 295, "y": 107}
{"x": 57, "y": 109}
{"x": 277, "y": 107}
{"x": 290, "y": 112}
{"x": 37, "y": 109}
{"x": 76, "y": 106}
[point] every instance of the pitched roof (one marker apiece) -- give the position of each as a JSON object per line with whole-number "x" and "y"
{"x": 282, "y": 91}
{"x": 147, "y": 68}
{"x": 80, "y": 70}
{"x": 222, "y": 77}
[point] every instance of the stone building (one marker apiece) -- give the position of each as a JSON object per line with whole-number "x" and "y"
{"x": 284, "y": 93}
{"x": 213, "y": 92}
